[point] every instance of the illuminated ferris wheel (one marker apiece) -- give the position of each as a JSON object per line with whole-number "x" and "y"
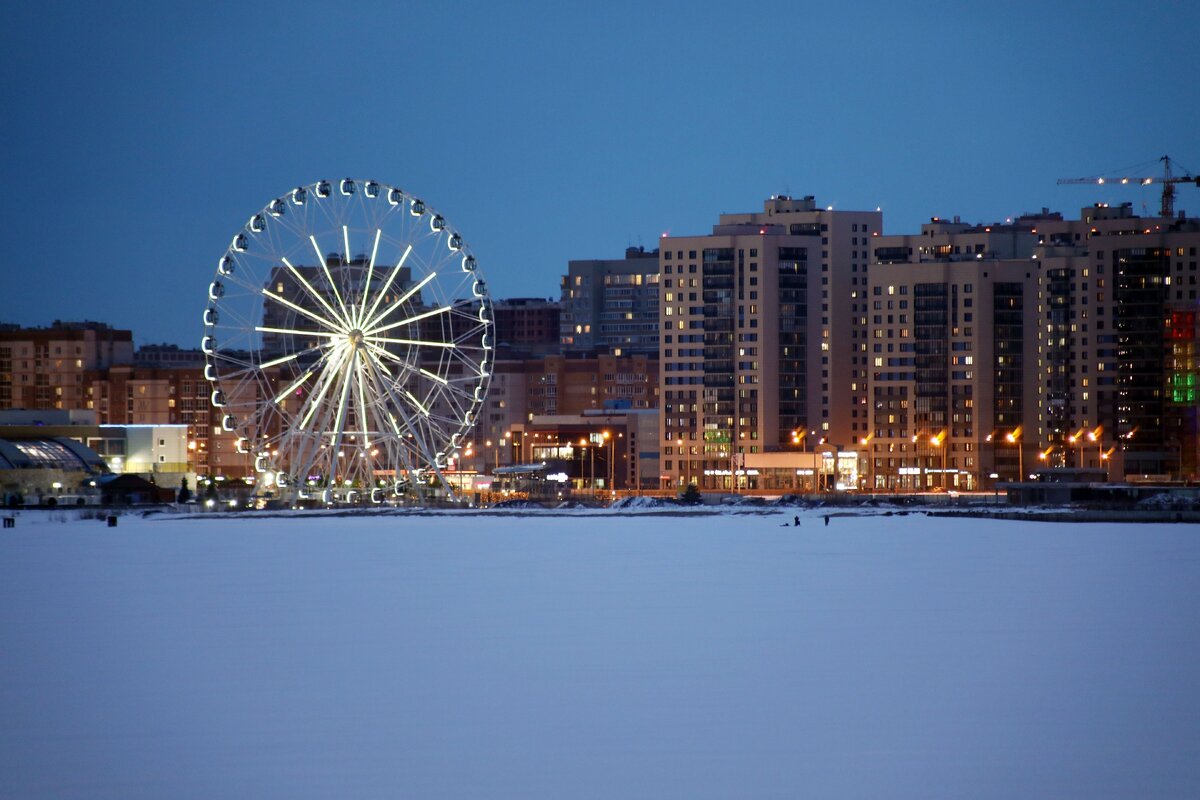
{"x": 348, "y": 342}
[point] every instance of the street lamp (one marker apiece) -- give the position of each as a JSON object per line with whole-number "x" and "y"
{"x": 937, "y": 441}
{"x": 1072, "y": 439}
{"x": 592, "y": 469}
{"x": 916, "y": 462}
{"x": 1094, "y": 436}
{"x": 799, "y": 438}
{"x": 612, "y": 466}
{"x": 686, "y": 464}
{"x": 1014, "y": 438}
{"x": 866, "y": 442}
{"x": 1044, "y": 456}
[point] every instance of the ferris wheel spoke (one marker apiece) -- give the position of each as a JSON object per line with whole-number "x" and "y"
{"x": 418, "y": 342}
{"x": 329, "y": 276}
{"x": 296, "y": 355}
{"x": 340, "y": 417}
{"x": 297, "y": 332}
{"x": 361, "y": 413}
{"x": 308, "y": 287}
{"x": 380, "y": 353}
{"x": 328, "y": 377}
{"x": 311, "y": 315}
{"x": 433, "y": 376}
{"x": 386, "y": 386}
{"x": 279, "y": 398}
{"x": 407, "y": 321}
{"x": 366, "y": 287}
{"x": 382, "y": 293}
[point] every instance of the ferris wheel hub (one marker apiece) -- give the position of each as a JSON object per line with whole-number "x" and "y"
{"x": 355, "y": 337}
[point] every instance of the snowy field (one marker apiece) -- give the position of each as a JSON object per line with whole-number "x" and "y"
{"x": 688, "y": 657}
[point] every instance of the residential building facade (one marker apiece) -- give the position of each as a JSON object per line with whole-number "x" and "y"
{"x": 611, "y": 305}
{"x": 762, "y": 335}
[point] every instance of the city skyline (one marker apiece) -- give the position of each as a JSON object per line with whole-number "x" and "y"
{"x": 147, "y": 137}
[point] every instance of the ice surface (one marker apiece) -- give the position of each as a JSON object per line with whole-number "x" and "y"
{"x": 598, "y": 657}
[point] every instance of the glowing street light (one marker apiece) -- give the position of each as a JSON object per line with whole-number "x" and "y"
{"x": 607, "y": 436}
{"x": 866, "y": 442}
{"x": 1095, "y": 436}
{"x": 592, "y": 469}
{"x": 1014, "y": 439}
{"x": 687, "y": 464}
{"x": 937, "y": 441}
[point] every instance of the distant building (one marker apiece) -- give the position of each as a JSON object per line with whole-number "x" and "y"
{"x": 168, "y": 356}
{"x": 60, "y": 440}
{"x": 597, "y": 451}
{"x": 44, "y": 368}
{"x": 527, "y": 326}
{"x": 762, "y": 333}
{"x": 611, "y": 305}
{"x": 43, "y": 457}
{"x": 1117, "y": 326}
{"x": 1039, "y": 343}
{"x": 575, "y": 384}
{"x": 951, "y": 356}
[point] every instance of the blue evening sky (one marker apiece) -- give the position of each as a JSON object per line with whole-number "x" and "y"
{"x": 137, "y": 138}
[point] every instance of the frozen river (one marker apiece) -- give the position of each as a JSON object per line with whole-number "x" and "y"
{"x": 598, "y": 657}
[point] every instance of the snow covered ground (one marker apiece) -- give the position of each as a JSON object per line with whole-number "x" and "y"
{"x": 591, "y": 656}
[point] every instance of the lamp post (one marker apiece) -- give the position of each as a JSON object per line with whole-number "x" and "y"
{"x": 591, "y": 451}
{"x": 937, "y": 441}
{"x": 800, "y": 438}
{"x": 990, "y": 440}
{"x": 612, "y": 467}
{"x": 686, "y": 463}
{"x": 1044, "y": 456}
{"x": 1014, "y": 438}
{"x": 916, "y": 461}
{"x": 1094, "y": 436}
{"x": 866, "y": 442}
{"x": 822, "y": 483}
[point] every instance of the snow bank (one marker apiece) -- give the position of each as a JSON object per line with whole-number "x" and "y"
{"x": 572, "y": 656}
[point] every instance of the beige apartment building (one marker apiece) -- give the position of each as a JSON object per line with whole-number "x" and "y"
{"x": 949, "y": 347}
{"x": 762, "y": 337}
{"x": 1043, "y": 342}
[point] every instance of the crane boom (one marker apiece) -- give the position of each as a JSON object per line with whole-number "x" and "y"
{"x": 1167, "y": 179}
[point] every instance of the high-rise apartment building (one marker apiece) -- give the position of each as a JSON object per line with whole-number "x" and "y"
{"x": 1117, "y": 371}
{"x": 1044, "y": 342}
{"x": 611, "y": 305}
{"x": 950, "y": 344}
{"x": 762, "y": 333}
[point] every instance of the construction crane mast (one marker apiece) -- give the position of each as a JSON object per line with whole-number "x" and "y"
{"x": 1168, "y": 179}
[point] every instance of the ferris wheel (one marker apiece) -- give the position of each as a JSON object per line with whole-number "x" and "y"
{"x": 348, "y": 343}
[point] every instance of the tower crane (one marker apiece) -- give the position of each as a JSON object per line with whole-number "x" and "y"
{"x": 1168, "y": 179}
